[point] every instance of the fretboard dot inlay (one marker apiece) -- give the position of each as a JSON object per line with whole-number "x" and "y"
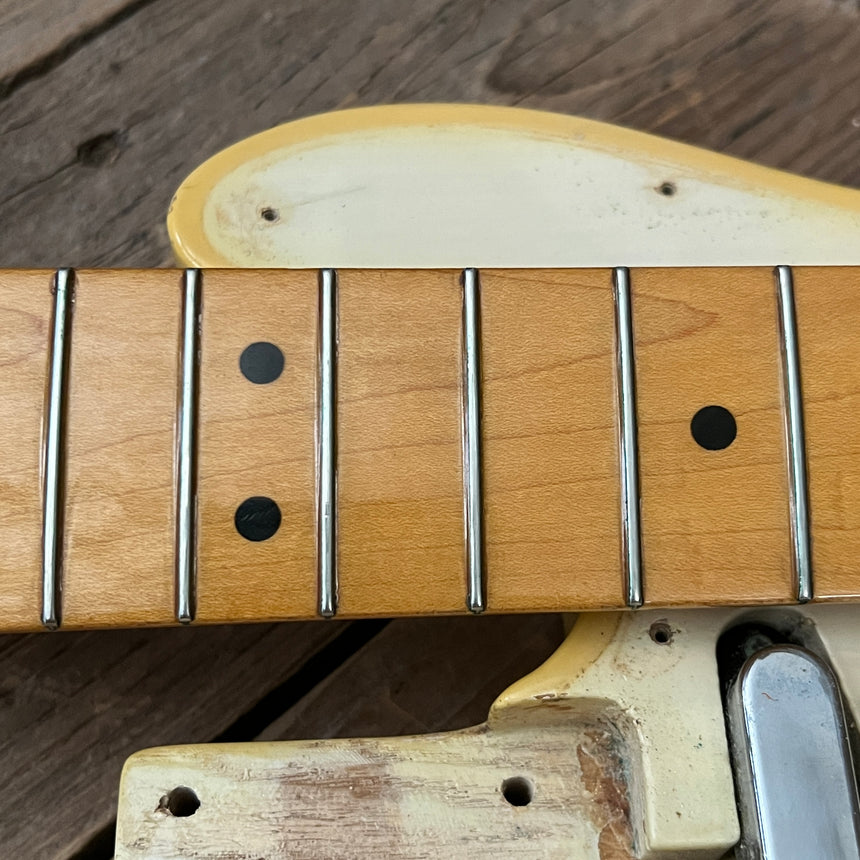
{"x": 261, "y": 362}
{"x": 714, "y": 428}
{"x": 258, "y": 518}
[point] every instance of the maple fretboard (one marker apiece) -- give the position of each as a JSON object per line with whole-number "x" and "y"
{"x": 248, "y": 445}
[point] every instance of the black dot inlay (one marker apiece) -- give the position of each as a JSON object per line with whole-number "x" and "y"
{"x": 261, "y": 362}
{"x": 257, "y": 518}
{"x": 714, "y": 427}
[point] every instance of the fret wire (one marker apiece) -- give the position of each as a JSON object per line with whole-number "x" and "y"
{"x": 630, "y": 519}
{"x": 52, "y": 522}
{"x": 186, "y": 490}
{"x": 476, "y": 586}
{"x": 327, "y": 441}
{"x": 798, "y": 487}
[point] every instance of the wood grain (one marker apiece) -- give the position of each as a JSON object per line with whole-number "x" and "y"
{"x": 400, "y": 474}
{"x": 715, "y": 524}
{"x": 827, "y": 320}
{"x": 25, "y": 321}
{"x": 392, "y": 796}
{"x": 119, "y": 452}
{"x": 552, "y": 494}
{"x": 257, "y": 440}
{"x": 44, "y": 32}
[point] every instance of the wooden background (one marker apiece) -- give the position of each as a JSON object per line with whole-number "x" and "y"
{"x": 105, "y": 105}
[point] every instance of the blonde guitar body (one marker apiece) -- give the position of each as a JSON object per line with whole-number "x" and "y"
{"x": 616, "y": 747}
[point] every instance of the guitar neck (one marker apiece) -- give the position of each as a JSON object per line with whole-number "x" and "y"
{"x": 250, "y": 445}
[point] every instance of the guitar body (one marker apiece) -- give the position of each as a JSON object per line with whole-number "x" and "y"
{"x": 436, "y": 186}
{"x": 616, "y": 747}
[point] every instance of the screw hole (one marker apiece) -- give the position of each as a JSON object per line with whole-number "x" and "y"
{"x": 518, "y": 791}
{"x": 269, "y": 214}
{"x": 660, "y": 632}
{"x": 668, "y": 189}
{"x": 180, "y": 802}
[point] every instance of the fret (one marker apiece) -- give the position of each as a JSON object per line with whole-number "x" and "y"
{"x": 715, "y": 523}
{"x": 828, "y": 322}
{"x": 53, "y": 459}
{"x": 186, "y": 448}
{"x": 631, "y": 555}
{"x": 476, "y": 588}
{"x": 470, "y": 435}
{"x": 256, "y": 441}
{"x": 327, "y": 446}
{"x": 550, "y": 454}
{"x": 792, "y": 396}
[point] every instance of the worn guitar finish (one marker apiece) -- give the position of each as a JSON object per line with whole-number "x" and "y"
{"x": 719, "y": 516}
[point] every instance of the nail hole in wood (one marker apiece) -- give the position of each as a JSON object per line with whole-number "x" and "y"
{"x": 269, "y": 214}
{"x": 668, "y": 189}
{"x": 518, "y": 791}
{"x": 660, "y": 632}
{"x": 101, "y": 149}
{"x": 180, "y": 802}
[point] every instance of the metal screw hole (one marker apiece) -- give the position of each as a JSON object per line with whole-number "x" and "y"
{"x": 660, "y": 632}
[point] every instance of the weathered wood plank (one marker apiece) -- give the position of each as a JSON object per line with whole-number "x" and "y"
{"x": 447, "y": 673}
{"x": 37, "y": 35}
{"x": 752, "y": 79}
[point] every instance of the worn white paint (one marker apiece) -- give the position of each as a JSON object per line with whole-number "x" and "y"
{"x": 434, "y": 796}
{"x": 681, "y": 786}
{"x": 427, "y": 186}
{"x": 439, "y": 795}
